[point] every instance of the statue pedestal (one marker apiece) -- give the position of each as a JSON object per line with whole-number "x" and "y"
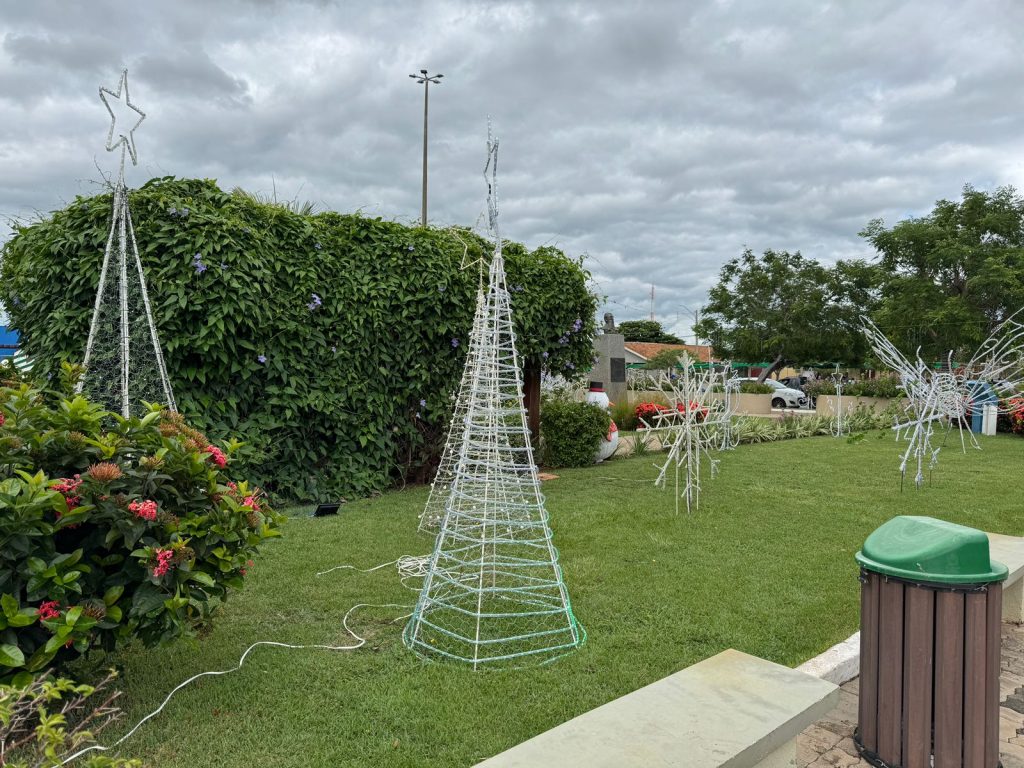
{"x": 610, "y": 349}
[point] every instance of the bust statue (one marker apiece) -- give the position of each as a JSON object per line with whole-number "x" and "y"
{"x": 609, "y": 323}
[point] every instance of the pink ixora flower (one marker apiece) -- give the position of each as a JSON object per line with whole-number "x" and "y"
{"x": 50, "y": 609}
{"x": 218, "y": 456}
{"x": 68, "y": 487}
{"x": 250, "y": 501}
{"x": 144, "y": 509}
{"x": 164, "y": 559}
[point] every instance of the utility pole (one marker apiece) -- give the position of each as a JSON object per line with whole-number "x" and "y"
{"x": 652, "y": 301}
{"x": 426, "y": 79}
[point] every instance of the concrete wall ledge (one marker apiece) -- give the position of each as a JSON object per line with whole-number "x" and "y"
{"x": 729, "y": 711}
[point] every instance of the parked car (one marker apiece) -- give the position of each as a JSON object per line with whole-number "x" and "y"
{"x": 783, "y": 396}
{"x": 794, "y": 382}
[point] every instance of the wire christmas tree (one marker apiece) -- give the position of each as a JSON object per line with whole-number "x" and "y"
{"x": 494, "y": 593}
{"x": 440, "y": 489}
{"x": 123, "y": 361}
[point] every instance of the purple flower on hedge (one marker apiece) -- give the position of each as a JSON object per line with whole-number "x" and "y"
{"x": 411, "y": 248}
{"x": 455, "y": 343}
{"x": 545, "y": 355}
{"x": 570, "y": 366}
{"x": 563, "y": 340}
{"x": 423, "y": 403}
{"x": 172, "y": 211}
{"x": 577, "y": 325}
{"x": 318, "y": 246}
{"x": 197, "y": 264}
{"x": 314, "y": 303}
{"x": 334, "y": 349}
{"x": 223, "y": 266}
{"x": 261, "y": 358}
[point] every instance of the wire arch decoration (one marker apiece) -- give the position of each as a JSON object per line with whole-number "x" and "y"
{"x": 124, "y": 364}
{"x": 494, "y": 593}
{"x": 942, "y": 399}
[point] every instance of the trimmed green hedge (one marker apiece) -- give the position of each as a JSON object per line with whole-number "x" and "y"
{"x": 571, "y": 432}
{"x": 344, "y": 396}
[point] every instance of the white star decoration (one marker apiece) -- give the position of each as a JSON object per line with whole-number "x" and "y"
{"x": 124, "y": 139}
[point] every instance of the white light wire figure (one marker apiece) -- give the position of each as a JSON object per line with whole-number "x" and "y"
{"x": 123, "y": 360}
{"x": 494, "y": 595}
{"x": 839, "y": 426}
{"x": 696, "y": 423}
{"x": 935, "y": 396}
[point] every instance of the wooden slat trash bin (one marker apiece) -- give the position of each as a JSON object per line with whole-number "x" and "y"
{"x": 931, "y": 608}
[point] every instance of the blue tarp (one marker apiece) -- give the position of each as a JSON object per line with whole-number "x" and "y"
{"x": 7, "y": 337}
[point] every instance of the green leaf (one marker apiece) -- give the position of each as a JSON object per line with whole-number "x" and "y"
{"x": 11, "y": 655}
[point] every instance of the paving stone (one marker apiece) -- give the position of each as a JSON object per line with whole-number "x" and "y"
{"x": 839, "y": 759}
{"x": 1009, "y": 722}
{"x": 848, "y": 747}
{"x": 1012, "y": 755}
{"x": 823, "y": 735}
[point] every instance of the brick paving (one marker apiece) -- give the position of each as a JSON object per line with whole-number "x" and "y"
{"x": 829, "y": 742}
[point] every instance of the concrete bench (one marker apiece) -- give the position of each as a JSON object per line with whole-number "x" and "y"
{"x": 1009, "y": 550}
{"x": 730, "y": 710}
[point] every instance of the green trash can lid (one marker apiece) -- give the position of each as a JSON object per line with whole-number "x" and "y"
{"x": 930, "y": 550}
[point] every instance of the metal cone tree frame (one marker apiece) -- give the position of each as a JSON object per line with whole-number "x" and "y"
{"x": 494, "y": 593}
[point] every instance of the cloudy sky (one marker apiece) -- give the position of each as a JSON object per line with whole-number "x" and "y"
{"x": 655, "y": 138}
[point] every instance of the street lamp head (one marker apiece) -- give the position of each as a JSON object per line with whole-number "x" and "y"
{"x": 423, "y": 71}
{"x": 438, "y": 76}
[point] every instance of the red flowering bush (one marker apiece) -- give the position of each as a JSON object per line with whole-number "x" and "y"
{"x": 648, "y": 412}
{"x": 1015, "y": 415}
{"x": 113, "y": 528}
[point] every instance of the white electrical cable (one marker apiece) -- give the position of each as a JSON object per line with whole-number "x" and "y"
{"x": 360, "y": 642}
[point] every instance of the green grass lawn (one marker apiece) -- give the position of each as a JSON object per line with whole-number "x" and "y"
{"x": 765, "y": 566}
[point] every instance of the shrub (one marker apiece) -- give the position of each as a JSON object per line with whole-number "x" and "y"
{"x": 882, "y": 386}
{"x": 571, "y": 432}
{"x": 326, "y": 395}
{"x": 624, "y": 415}
{"x": 43, "y": 722}
{"x": 755, "y": 388}
{"x": 113, "y": 528}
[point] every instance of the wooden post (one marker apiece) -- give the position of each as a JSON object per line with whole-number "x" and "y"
{"x": 918, "y": 642}
{"x": 890, "y": 671}
{"x": 949, "y": 679}
{"x": 868, "y": 700}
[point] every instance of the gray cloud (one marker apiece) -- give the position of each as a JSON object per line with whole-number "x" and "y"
{"x": 657, "y": 138}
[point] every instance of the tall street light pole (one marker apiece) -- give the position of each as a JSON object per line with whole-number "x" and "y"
{"x": 426, "y": 79}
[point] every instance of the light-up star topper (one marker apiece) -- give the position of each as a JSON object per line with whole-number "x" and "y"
{"x": 125, "y": 140}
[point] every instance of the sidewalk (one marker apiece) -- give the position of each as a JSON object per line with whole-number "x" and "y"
{"x": 829, "y": 742}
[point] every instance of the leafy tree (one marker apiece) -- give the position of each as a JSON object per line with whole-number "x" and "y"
{"x": 647, "y": 331}
{"x": 784, "y": 308}
{"x": 663, "y": 360}
{"x": 953, "y": 275}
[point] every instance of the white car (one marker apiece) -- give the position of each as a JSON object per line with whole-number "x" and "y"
{"x": 783, "y": 396}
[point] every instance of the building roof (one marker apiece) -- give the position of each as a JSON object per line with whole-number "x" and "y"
{"x": 645, "y": 349}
